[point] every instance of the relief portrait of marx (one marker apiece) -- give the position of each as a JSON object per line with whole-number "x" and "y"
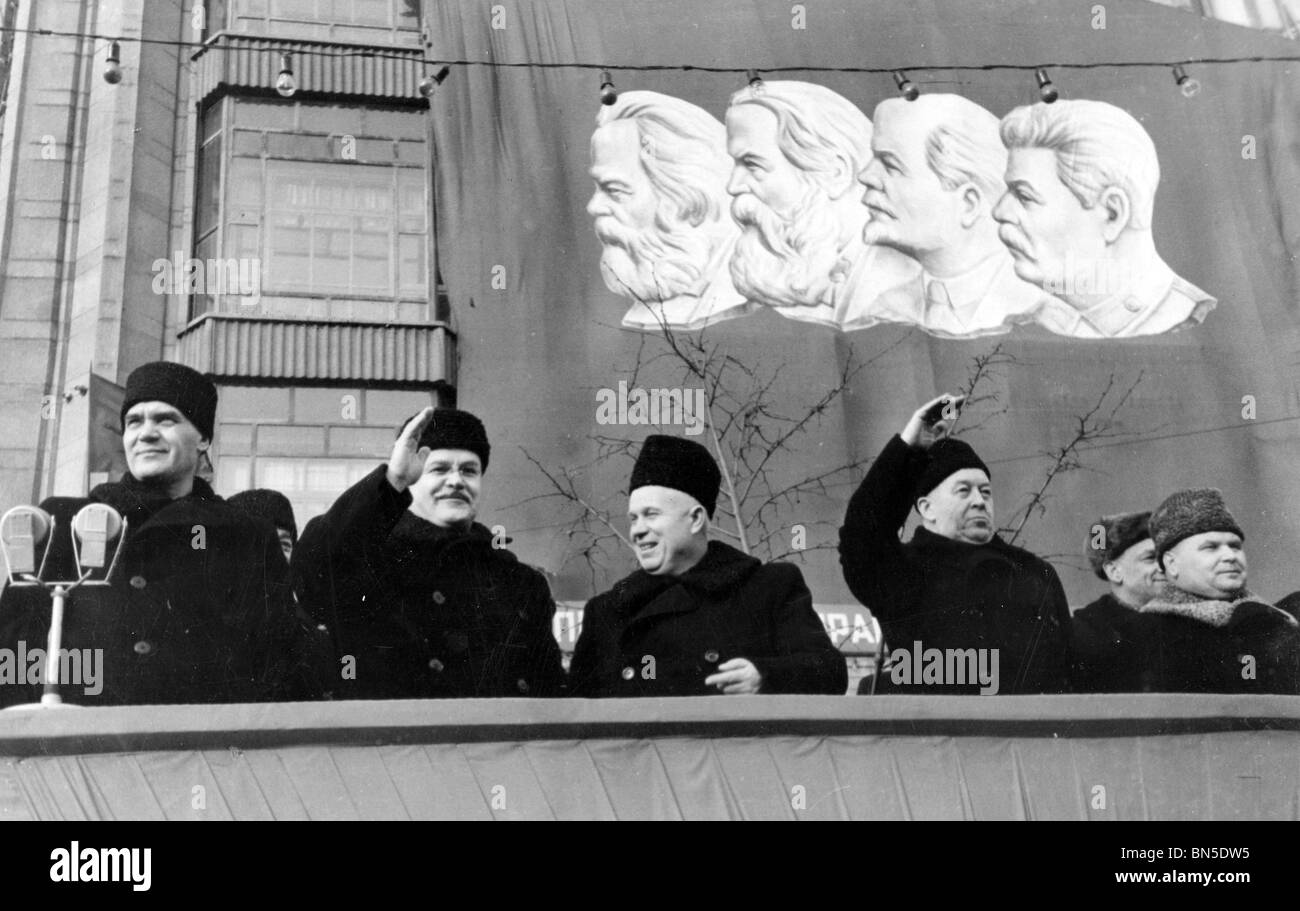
{"x": 797, "y": 149}
{"x": 1077, "y": 218}
{"x": 935, "y": 175}
{"x": 660, "y": 211}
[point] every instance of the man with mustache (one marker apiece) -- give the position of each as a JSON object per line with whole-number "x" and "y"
{"x": 797, "y": 149}
{"x": 1208, "y": 632}
{"x": 423, "y": 601}
{"x": 199, "y": 608}
{"x": 699, "y": 618}
{"x": 660, "y": 164}
{"x": 931, "y": 184}
{"x": 955, "y": 585}
{"x": 1077, "y": 214}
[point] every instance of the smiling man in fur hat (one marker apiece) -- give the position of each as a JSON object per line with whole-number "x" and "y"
{"x": 1208, "y": 632}
{"x": 200, "y": 606}
{"x": 422, "y": 600}
{"x": 955, "y": 587}
{"x": 699, "y": 617}
{"x": 1109, "y": 637}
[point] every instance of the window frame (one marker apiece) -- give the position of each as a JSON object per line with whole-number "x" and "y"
{"x": 236, "y": 17}
{"x": 222, "y": 135}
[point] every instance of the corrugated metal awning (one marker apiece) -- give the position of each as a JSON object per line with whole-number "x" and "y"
{"x": 232, "y": 347}
{"x": 242, "y": 62}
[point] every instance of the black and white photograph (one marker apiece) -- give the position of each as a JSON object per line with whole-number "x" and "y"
{"x": 612, "y": 410}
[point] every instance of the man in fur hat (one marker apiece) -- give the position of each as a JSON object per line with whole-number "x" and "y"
{"x": 1209, "y": 633}
{"x": 423, "y": 601}
{"x": 200, "y": 607}
{"x": 955, "y": 590}
{"x": 273, "y": 506}
{"x": 699, "y": 617}
{"x": 1109, "y": 638}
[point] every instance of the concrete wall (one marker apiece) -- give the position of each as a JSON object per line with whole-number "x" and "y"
{"x": 89, "y": 180}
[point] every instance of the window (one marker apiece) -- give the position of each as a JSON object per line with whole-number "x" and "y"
{"x": 340, "y": 230}
{"x": 328, "y": 205}
{"x": 309, "y": 443}
{"x": 311, "y": 485}
{"x": 361, "y": 21}
{"x": 213, "y": 17}
{"x": 341, "y": 12}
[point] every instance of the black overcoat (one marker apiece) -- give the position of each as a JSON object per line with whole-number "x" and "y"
{"x": 1111, "y": 643}
{"x": 199, "y": 609}
{"x": 1256, "y": 651}
{"x": 421, "y": 612}
{"x": 950, "y": 594}
{"x": 663, "y": 635}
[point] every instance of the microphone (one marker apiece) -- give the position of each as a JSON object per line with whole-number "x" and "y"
{"x": 94, "y": 526}
{"x": 22, "y": 530}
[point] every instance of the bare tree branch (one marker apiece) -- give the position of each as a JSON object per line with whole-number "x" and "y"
{"x": 1090, "y": 427}
{"x": 751, "y": 418}
{"x": 983, "y": 367}
{"x": 568, "y": 490}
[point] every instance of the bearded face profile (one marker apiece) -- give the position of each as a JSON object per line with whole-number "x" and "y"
{"x": 787, "y": 258}
{"x": 796, "y": 150}
{"x": 651, "y": 259}
{"x": 659, "y": 210}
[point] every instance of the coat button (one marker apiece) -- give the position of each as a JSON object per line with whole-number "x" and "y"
{"x": 138, "y": 582}
{"x": 439, "y": 598}
{"x": 712, "y": 656}
{"x": 628, "y": 673}
{"x": 435, "y": 665}
{"x": 143, "y": 648}
{"x": 522, "y": 684}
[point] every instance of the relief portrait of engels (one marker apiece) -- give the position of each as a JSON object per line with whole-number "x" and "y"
{"x": 798, "y": 148}
{"x": 937, "y": 215}
{"x": 660, "y": 211}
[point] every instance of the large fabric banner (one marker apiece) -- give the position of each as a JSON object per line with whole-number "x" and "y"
{"x": 784, "y": 263}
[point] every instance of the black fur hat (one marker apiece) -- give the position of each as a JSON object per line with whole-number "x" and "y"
{"x": 454, "y": 429}
{"x": 680, "y": 464}
{"x": 188, "y": 391}
{"x": 946, "y": 457}
{"x": 1123, "y": 530}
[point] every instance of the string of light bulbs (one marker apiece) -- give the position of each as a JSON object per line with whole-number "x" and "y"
{"x": 438, "y": 70}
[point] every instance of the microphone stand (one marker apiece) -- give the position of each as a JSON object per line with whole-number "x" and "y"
{"x": 59, "y": 591}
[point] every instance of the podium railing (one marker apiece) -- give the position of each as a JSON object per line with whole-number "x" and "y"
{"x": 890, "y": 757}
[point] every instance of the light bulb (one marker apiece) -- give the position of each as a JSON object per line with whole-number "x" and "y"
{"x": 906, "y": 87}
{"x": 113, "y": 67}
{"x": 1046, "y": 90}
{"x": 285, "y": 84}
{"x": 1190, "y": 86}
{"x": 429, "y": 84}
{"x": 607, "y": 94}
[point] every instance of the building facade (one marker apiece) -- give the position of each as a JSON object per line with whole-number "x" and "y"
{"x": 285, "y": 243}
{"x": 278, "y": 241}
